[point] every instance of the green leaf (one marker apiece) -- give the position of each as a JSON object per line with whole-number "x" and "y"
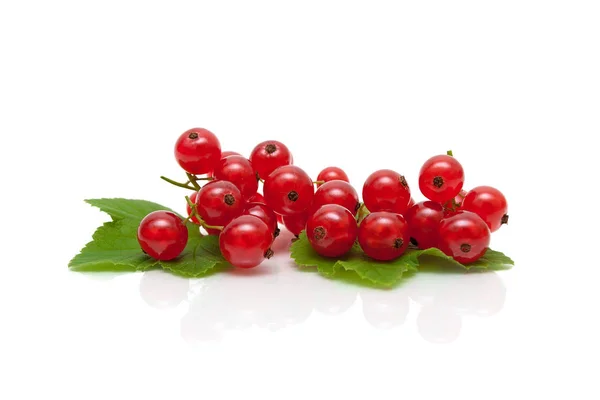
{"x": 201, "y": 255}
{"x": 114, "y": 245}
{"x": 391, "y": 272}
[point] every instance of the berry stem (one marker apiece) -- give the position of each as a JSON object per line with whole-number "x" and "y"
{"x": 178, "y": 184}
{"x": 449, "y": 152}
{"x": 207, "y": 226}
{"x": 318, "y": 182}
{"x": 193, "y": 180}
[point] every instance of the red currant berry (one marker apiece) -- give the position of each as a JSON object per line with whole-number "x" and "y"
{"x": 489, "y": 203}
{"x": 218, "y": 202}
{"x": 295, "y": 223}
{"x": 193, "y": 198}
{"x": 464, "y": 236}
{"x": 383, "y": 235}
{"x": 238, "y": 170}
{"x": 336, "y": 192}
{"x": 257, "y": 198}
{"x": 331, "y": 230}
{"x": 268, "y": 156}
{"x": 224, "y": 154}
{"x": 386, "y": 190}
{"x": 288, "y": 190}
{"x": 197, "y": 151}
{"x": 162, "y": 235}
{"x": 411, "y": 202}
{"x": 263, "y": 212}
{"x": 246, "y": 241}
{"x": 424, "y": 223}
{"x": 441, "y": 178}
{"x": 228, "y": 153}
{"x": 332, "y": 174}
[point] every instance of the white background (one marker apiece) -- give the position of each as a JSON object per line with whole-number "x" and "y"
{"x": 94, "y": 94}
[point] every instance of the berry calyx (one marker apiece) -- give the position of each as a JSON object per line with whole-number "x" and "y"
{"x": 332, "y": 174}
{"x": 264, "y": 213}
{"x": 218, "y": 202}
{"x": 267, "y": 156}
{"x": 424, "y": 221}
{"x": 383, "y": 235}
{"x": 197, "y": 151}
{"x": 162, "y": 235}
{"x": 336, "y": 192}
{"x": 464, "y": 236}
{"x": 489, "y": 203}
{"x": 238, "y": 170}
{"x": 246, "y": 241}
{"x": 386, "y": 190}
{"x": 331, "y": 230}
{"x": 441, "y": 178}
{"x": 288, "y": 190}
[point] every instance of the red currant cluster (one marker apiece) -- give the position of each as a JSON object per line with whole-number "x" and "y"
{"x": 229, "y": 205}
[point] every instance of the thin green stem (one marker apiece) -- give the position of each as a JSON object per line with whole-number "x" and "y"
{"x": 319, "y": 182}
{"x": 449, "y": 152}
{"x": 193, "y": 180}
{"x": 178, "y": 184}
{"x": 207, "y": 226}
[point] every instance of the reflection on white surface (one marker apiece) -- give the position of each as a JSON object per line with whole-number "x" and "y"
{"x": 277, "y": 295}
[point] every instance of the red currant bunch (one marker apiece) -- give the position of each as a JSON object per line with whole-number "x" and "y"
{"x": 225, "y": 199}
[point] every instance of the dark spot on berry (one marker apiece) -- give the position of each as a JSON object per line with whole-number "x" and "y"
{"x": 293, "y": 195}
{"x": 504, "y": 219}
{"x": 398, "y": 243}
{"x": 270, "y": 148}
{"x": 229, "y": 199}
{"x": 438, "y": 182}
{"x": 319, "y": 233}
{"x": 269, "y": 253}
{"x": 414, "y": 241}
{"x": 403, "y": 181}
{"x": 276, "y": 233}
{"x": 465, "y": 247}
{"x": 193, "y": 135}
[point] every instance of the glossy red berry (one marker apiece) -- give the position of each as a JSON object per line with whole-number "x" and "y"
{"x": 383, "y": 235}
{"x": 386, "y": 190}
{"x": 332, "y": 174}
{"x": 238, "y": 170}
{"x": 257, "y": 198}
{"x": 224, "y": 154}
{"x": 198, "y": 151}
{"x": 288, "y": 190}
{"x": 162, "y": 235}
{"x": 464, "y": 236}
{"x": 246, "y": 241}
{"x": 489, "y": 203}
{"x": 424, "y": 223}
{"x": 336, "y": 192}
{"x": 268, "y": 156}
{"x": 411, "y": 202}
{"x": 193, "y": 198}
{"x": 218, "y": 202}
{"x": 263, "y": 212}
{"x": 331, "y": 230}
{"x": 295, "y": 223}
{"x": 441, "y": 178}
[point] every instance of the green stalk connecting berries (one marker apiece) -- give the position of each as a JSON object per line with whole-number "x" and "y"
{"x": 194, "y": 214}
